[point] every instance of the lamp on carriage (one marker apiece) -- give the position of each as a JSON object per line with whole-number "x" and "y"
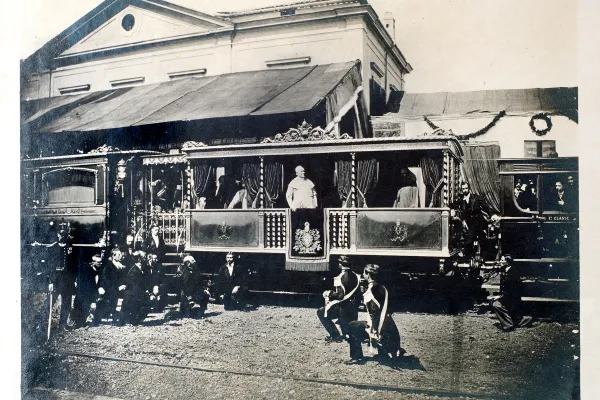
{"x": 121, "y": 175}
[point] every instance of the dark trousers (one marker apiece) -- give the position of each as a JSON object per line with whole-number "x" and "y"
{"x": 65, "y": 289}
{"x": 135, "y": 308}
{"x": 235, "y": 301}
{"x": 508, "y": 312}
{"x": 344, "y": 313}
{"x": 194, "y": 304}
{"x": 389, "y": 338}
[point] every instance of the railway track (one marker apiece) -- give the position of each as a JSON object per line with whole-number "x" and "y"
{"x": 346, "y": 383}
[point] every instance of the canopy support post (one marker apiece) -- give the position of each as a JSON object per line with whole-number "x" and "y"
{"x": 261, "y": 191}
{"x": 353, "y": 182}
{"x": 446, "y": 176}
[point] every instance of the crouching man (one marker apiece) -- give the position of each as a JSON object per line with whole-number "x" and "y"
{"x": 135, "y": 306}
{"x": 340, "y": 303}
{"x": 380, "y": 329}
{"x": 508, "y": 306}
{"x": 194, "y": 294}
{"x": 231, "y": 284}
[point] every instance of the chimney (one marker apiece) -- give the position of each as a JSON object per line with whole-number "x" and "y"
{"x": 390, "y": 24}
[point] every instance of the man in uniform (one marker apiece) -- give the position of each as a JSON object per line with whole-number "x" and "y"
{"x": 194, "y": 294}
{"x": 301, "y": 191}
{"x": 341, "y": 302}
{"x": 380, "y": 329}
{"x": 62, "y": 272}
{"x": 231, "y": 284}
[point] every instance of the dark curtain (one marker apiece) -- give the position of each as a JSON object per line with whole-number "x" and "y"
{"x": 203, "y": 173}
{"x": 367, "y": 175}
{"x": 433, "y": 177}
{"x": 251, "y": 178}
{"x": 273, "y": 183}
{"x": 343, "y": 179}
{"x": 481, "y": 171}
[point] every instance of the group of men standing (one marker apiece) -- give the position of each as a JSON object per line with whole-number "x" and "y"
{"x": 341, "y": 305}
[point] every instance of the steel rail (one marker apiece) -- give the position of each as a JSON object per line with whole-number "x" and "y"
{"x": 359, "y": 385}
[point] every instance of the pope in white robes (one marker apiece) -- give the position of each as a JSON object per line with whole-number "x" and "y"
{"x": 301, "y": 191}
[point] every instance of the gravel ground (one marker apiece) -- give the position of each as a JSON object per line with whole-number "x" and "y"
{"x": 461, "y": 354}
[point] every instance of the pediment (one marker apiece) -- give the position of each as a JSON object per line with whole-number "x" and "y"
{"x": 137, "y": 25}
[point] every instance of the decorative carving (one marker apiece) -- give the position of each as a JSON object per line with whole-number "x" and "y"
{"x": 308, "y": 241}
{"x": 399, "y": 233}
{"x": 192, "y": 144}
{"x": 104, "y": 149}
{"x": 173, "y": 159}
{"x": 305, "y": 132}
{"x": 224, "y": 231}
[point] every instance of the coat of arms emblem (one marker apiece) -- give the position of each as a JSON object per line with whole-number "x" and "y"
{"x": 224, "y": 231}
{"x": 399, "y": 232}
{"x": 308, "y": 241}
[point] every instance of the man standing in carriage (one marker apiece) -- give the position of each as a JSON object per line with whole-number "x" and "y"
{"x": 301, "y": 191}
{"x": 380, "y": 329}
{"x": 341, "y": 303}
{"x": 473, "y": 214}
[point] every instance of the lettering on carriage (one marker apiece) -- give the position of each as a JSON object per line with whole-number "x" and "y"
{"x": 77, "y": 210}
{"x": 559, "y": 218}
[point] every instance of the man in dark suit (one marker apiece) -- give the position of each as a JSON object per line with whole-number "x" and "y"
{"x": 231, "y": 284}
{"x": 341, "y": 302}
{"x": 194, "y": 293}
{"x": 87, "y": 286}
{"x": 472, "y": 212}
{"x": 155, "y": 244}
{"x": 135, "y": 297}
{"x": 380, "y": 329}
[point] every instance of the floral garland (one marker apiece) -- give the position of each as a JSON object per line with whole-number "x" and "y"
{"x": 542, "y": 117}
{"x": 480, "y": 132}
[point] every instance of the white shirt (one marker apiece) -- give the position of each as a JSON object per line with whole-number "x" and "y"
{"x": 230, "y": 268}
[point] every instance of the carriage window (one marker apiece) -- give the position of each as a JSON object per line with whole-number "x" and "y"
{"x": 561, "y": 192}
{"x": 525, "y": 192}
{"x": 166, "y": 188}
{"x": 70, "y": 187}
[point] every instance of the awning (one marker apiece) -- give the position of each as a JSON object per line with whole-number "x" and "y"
{"x": 562, "y": 100}
{"x": 240, "y": 94}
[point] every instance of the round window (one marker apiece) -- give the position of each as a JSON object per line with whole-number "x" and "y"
{"x": 128, "y": 22}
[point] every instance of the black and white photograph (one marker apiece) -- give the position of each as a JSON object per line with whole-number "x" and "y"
{"x": 279, "y": 199}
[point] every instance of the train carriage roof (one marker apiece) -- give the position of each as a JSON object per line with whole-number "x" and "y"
{"x": 340, "y": 144}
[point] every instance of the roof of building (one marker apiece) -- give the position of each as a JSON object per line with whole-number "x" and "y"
{"x": 264, "y": 92}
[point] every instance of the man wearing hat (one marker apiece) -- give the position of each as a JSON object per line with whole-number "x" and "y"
{"x": 231, "y": 284}
{"x": 62, "y": 271}
{"x": 341, "y": 302}
{"x": 194, "y": 294}
{"x": 380, "y": 329}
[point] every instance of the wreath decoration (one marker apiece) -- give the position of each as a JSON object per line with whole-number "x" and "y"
{"x": 540, "y": 117}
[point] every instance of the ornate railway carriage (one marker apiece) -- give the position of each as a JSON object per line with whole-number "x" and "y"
{"x": 97, "y": 195}
{"x": 357, "y": 183}
{"x": 540, "y": 226}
